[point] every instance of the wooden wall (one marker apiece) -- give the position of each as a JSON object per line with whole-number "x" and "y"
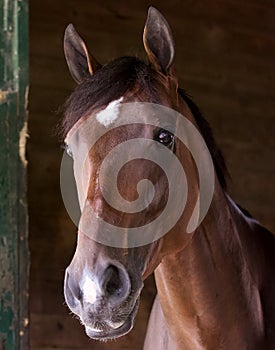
{"x": 225, "y": 59}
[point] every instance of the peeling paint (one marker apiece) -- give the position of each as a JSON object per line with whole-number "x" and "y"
{"x": 3, "y": 96}
{"x": 22, "y": 144}
{"x": 25, "y": 322}
{"x": 26, "y": 98}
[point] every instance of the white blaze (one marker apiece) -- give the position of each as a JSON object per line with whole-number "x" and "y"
{"x": 89, "y": 290}
{"x": 108, "y": 115}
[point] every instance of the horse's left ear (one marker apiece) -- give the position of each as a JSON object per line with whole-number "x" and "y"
{"x": 158, "y": 41}
{"x": 81, "y": 64}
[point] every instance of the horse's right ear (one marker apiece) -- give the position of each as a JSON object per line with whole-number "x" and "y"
{"x": 81, "y": 64}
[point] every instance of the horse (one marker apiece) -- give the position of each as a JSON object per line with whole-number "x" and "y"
{"x": 215, "y": 283}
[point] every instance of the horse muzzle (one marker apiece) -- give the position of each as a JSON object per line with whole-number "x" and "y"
{"x": 106, "y": 301}
{"x": 108, "y": 330}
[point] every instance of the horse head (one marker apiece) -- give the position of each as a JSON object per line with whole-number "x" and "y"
{"x": 105, "y": 278}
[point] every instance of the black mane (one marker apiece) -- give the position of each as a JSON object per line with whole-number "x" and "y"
{"x": 113, "y": 81}
{"x": 206, "y": 131}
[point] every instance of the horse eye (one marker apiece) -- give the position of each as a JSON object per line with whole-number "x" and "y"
{"x": 68, "y": 151}
{"x": 165, "y": 137}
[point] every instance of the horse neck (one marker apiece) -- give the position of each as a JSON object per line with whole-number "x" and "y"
{"x": 207, "y": 291}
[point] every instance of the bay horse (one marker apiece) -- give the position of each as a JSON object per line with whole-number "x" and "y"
{"x": 215, "y": 285}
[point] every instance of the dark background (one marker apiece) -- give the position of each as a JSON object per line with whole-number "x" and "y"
{"x": 225, "y": 54}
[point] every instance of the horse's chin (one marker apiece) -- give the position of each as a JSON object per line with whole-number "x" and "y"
{"x": 114, "y": 331}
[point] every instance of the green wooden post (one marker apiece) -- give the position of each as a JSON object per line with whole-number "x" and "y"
{"x": 13, "y": 205}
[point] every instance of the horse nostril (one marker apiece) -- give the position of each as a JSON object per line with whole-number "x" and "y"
{"x": 116, "y": 282}
{"x": 112, "y": 283}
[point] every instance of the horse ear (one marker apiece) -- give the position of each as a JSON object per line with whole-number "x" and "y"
{"x": 81, "y": 64}
{"x": 158, "y": 41}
